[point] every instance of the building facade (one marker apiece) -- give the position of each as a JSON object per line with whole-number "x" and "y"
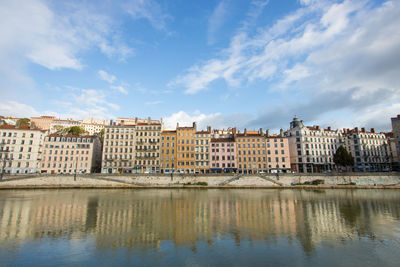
{"x": 43, "y": 122}
{"x": 168, "y": 152}
{"x": 312, "y": 148}
{"x": 396, "y": 134}
{"x": 20, "y": 149}
{"x": 251, "y": 152}
{"x": 70, "y": 154}
{"x": 223, "y": 155}
{"x": 370, "y": 150}
{"x": 147, "y": 149}
{"x": 202, "y": 145}
{"x": 186, "y": 160}
{"x": 119, "y": 149}
{"x": 278, "y": 153}
{"x": 58, "y": 124}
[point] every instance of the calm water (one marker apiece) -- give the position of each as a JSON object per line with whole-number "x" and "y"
{"x": 200, "y": 227}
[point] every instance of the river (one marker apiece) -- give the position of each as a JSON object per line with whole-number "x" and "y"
{"x": 200, "y": 227}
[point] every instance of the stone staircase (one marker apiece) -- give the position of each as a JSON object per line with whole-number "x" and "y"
{"x": 229, "y": 180}
{"x": 270, "y": 180}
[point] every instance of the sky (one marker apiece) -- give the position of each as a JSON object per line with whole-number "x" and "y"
{"x": 249, "y": 64}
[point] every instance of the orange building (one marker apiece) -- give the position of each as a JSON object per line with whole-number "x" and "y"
{"x": 186, "y": 148}
{"x": 251, "y": 153}
{"x": 43, "y": 122}
{"x": 168, "y": 151}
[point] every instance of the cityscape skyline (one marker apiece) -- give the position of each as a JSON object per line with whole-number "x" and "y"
{"x": 221, "y": 63}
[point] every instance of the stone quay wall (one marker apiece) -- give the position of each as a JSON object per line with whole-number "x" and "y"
{"x": 338, "y": 180}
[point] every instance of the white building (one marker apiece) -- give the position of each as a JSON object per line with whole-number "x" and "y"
{"x": 312, "y": 148}
{"x": 20, "y": 149}
{"x": 63, "y": 124}
{"x": 370, "y": 150}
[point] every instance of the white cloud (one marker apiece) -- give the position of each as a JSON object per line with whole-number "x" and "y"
{"x": 106, "y": 76}
{"x": 149, "y": 10}
{"x": 216, "y": 20}
{"x": 215, "y": 120}
{"x": 157, "y": 102}
{"x": 16, "y": 109}
{"x": 321, "y": 49}
{"x": 120, "y": 89}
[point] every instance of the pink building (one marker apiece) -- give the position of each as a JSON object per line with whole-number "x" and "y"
{"x": 223, "y": 155}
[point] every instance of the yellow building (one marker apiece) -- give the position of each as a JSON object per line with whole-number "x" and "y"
{"x": 251, "y": 153}
{"x": 186, "y": 148}
{"x": 168, "y": 151}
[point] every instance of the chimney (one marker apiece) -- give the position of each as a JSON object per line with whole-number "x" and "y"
{"x": 372, "y": 130}
{"x": 281, "y": 132}
{"x": 209, "y": 129}
{"x": 194, "y": 125}
{"x": 356, "y": 129}
{"x": 317, "y": 127}
{"x": 363, "y": 130}
{"x": 245, "y": 132}
{"x": 136, "y": 120}
{"x": 234, "y": 132}
{"x": 122, "y": 122}
{"x": 267, "y": 132}
{"x": 148, "y": 120}
{"x": 177, "y": 125}
{"x": 260, "y": 131}
{"x": 329, "y": 128}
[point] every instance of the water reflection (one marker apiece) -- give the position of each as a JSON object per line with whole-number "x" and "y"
{"x": 143, "y": 219}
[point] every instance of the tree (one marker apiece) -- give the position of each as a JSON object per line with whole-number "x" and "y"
{"x": 101, "y": 135}
{"x": 343, "y": 158}
{"x": 75, "y": 130}
{"x": 23, "y": 122}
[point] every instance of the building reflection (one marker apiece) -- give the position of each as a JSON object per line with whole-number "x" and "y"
{"x": 146, "y": 218}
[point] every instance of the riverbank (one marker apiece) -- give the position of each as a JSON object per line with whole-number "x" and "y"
{"x": 232, "y": 181}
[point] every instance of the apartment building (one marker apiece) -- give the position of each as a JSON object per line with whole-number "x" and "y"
{"x": 312, "y": 148}
{"x": 59, "y": 124}
{"x": 119, "y": 149}
{"x": 147, "y": 149}
{"x": 202, "y": 145}
{"x": 168, "y": 151}
{"x": 251, "y": 152}
{"x": 20, "y": 149}
{"x": 42, "y": 122}
{"x": 278, "y": 153}
{"x": 186, "y": 159}
{"x": 223, "y": 155}
{"x": 71, "y": 154}
{"x": 396, "y": 134}
{"x": 370, "y": 150}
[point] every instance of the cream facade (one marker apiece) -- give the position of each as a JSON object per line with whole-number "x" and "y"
{"x": 312, "y": 148}
{"x": 118, "y": 149}
{"x": 63, "y": 124}
{"x": 202, "y": 146}
{"x": 71, "y": 154}
{"x": 147, "y": 150}
{"x": 370, "y": 150}
{"x": 20, "y": 149}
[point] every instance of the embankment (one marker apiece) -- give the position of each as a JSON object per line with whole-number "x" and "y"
{"x": 340, "y": 180}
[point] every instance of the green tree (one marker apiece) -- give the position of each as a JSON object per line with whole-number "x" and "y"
{"x": 23, "y": 122}
{"x": 75, "y": 130}
{"x": 343, "y": 158}
{"x": 101, "y": 135}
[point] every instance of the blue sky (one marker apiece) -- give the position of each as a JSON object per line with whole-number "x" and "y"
{"x": 222, "y": 63}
